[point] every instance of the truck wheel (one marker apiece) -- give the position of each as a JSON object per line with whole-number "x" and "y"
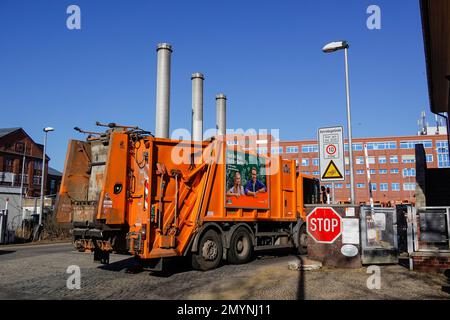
{"x": 302, "y": 241}
{"x": 241, "y": 248}
{"x": 209, "y": 253}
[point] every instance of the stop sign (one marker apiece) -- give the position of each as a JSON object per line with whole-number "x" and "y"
{"x": 324, "y": 225}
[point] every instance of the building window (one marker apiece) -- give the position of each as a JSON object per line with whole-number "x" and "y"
{"x": 411, "y": 144}
{"x": 37, "y": 180}
{"x": 371, "y": 160}
{"x": 277, "y": 150}
{"x": 443, "y": 160}
{"x": 374, "y": 186}
{"x": 395, "y": 186}
{"x": 441, "y": 146}
{"x": 382, "y": 160}
{"x": 384, "y": 187}
{"x": 316, "y": 173}
{"x": 408, "y": 159}
{"x": 393, "y": 159}
{"x": 38, "y": 165}
{"x": 429, "y": 157}
{"x": 316, "y": 162}
{"x": 394, "y": 171}
{"x": 359, "y": 160}
{"x": 409, "y": 172}
{"x": 306, "y": 172}
{"x": 52, "y": 187}
{"x": 359, "y": 171}
{"x": 442, "y": 154}
{"x": 347, "y": 186}
{"x": 291, "y": 149}
{"x": 409, "y": 186}
{"x": 382, "y": 171}
{"x": 310, "y": 148}
{"x": 9, "y": 164}
{"x": 347, "y": 172}
{"x": 373, "y": 171}
{"x": 388, "y": 145}
{"x": 347, "y": 160}
{"x": 356, "y": 147}
{"x": 338, "y": 185}
{"x": 360, "y": 185}
{"x": 20, "y": 146}
{"x": 262, "y": 150}
{"x": 305, "y": 162}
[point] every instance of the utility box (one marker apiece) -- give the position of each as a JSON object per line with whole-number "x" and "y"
{"x": 334, "y": 235}
{"x": 379, "y": 235}
{"x": 3, "y": 226}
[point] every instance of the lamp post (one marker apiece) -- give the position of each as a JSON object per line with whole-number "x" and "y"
{"x": 332, "y": 47}
{"x": 46, "y": 130}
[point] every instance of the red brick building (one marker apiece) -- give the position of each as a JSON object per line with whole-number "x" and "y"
{"x": 14, "y": 144}
{"x": 391, "y": 162}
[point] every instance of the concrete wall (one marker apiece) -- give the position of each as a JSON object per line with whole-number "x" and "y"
{"x": 14, "y": 212}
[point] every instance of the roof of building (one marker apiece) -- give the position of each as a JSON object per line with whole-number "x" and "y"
{"x": 54, "y": 172}
{"x": 6, "y": 131}
{"x": 436, "y": 29}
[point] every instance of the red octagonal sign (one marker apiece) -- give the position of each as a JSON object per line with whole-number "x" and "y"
{"x": 324, "y": 225}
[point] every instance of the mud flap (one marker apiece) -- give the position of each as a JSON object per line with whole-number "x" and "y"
{"x": 101, "y": 256}
{"x": 156, "y": 264}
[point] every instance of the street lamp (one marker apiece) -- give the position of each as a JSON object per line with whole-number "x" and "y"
{"x": 329, "y": 48}
{"x": 46, "y": 130}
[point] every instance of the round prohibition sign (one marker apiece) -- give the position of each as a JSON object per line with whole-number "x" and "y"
{"x": 331, "y": 149}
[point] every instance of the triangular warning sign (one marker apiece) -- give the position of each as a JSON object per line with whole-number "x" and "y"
{"x": 332, "y": 172}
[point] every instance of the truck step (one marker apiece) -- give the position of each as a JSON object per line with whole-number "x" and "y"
{"x": 271, "y": 234}
{"x": 159, "y": 252}
{"x": 271, "y": 247}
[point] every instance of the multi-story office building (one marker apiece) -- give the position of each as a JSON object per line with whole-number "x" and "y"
{"x": 391, "y": 163}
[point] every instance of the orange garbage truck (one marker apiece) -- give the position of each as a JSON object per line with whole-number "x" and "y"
{"x": 123, "y": 190}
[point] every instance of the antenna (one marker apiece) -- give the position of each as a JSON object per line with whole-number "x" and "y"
{"x": 424, "y": 124}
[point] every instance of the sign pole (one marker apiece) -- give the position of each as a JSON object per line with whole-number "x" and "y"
{"x": 369, "y": 181}
{"x": 331, "y": 158}
{"x": 332, "y": 193}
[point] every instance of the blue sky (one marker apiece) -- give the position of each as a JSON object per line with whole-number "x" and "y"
{"x": 264, "y": 55}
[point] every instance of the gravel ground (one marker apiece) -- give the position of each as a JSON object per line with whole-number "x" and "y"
{"x": 39, "y": 272}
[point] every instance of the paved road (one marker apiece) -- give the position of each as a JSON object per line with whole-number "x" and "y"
{"x": 39, "y": 272}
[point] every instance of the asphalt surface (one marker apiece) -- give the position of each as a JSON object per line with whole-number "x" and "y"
{"x": 40, "y": 272}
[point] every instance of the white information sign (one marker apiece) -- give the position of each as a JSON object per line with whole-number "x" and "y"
{"x": 331, "y": 154}
{"x": 350, "y": 231}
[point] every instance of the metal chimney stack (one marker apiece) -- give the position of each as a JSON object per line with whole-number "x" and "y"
{"x": 221, "y": 114}
{"x": 164, "y": 51}
{"x": 197, "y": 106}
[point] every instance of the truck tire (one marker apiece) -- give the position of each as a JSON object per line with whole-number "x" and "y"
{"x": 241, "y": 248}
{"x": 302, "y": 241}
{"x": 209, "y": 253}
